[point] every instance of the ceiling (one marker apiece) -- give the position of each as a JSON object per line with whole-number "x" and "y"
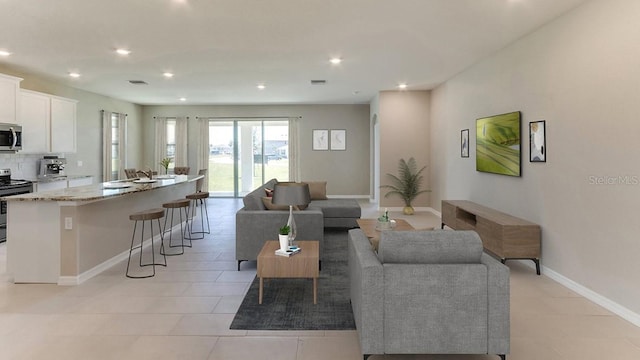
{"x": 220, "y": 50}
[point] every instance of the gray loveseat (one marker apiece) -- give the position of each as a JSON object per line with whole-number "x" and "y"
{"x": 255, "y": 224}
{"x": 428, "y": 292}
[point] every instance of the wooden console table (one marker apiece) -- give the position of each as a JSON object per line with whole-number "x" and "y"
{"x": 503, "y": 235}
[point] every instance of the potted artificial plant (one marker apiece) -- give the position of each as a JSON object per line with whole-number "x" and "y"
{"x": 283, "y": 237}
{"x": 165, "y": 164}
{"x": 407, "y": 184}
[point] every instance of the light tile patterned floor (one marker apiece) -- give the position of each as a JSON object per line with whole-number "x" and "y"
{"x": 185, "y": 311}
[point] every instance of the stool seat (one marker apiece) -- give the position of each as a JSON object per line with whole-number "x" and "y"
{"x": 198, "y": 195}
{"x": 180, "y": 203}
{"x": 150, "y": 214}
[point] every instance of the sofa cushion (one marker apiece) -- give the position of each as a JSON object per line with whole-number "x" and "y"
{"x": 430, "y": 247}
{"x": 317, "y": 189}
{"x": 270, "y": 206}
{"x": 338, "y": 208}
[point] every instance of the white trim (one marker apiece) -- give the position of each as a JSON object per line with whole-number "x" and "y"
{"x": 348, "y": 196}
{"x": 606, "y": 303}
{"x": 96, "y": 270}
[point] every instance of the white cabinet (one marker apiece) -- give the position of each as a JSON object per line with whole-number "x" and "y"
{"x": 9, "y": 104}
{"x": 80, "y": 181}
{"x": 63, "y": 125}
{"x": 48, "y": 123}
{"x": 35, "y": 109}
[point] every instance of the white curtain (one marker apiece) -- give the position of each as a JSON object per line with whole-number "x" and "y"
{"x": 294, "y": 149}
{"x": 202, "y": 153}
{"x": 106, "y": 146}
{"x": 181, "y": 158}
{"x": 107, "y": 141}
{"x": 161, "y": 142}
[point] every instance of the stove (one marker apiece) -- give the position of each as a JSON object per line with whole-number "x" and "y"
{"x": 8, "y": 187}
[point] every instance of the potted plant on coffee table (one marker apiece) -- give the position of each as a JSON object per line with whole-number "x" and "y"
{"x": 407, "y": 184}
{"x": 283, "y": 237}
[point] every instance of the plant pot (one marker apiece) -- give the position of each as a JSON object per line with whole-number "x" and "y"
{"x": 408, "y": 210}
{"x": 284, "y": 242}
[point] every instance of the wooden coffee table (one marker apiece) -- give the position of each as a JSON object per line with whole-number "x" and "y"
{"x": 305, "y": 264}
{"x": 368, "y": 226}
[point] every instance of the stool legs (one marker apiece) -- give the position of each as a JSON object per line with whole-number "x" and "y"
{"x": 204, "y": 214}
{"x": 141, "y": 247}
{"x": 183, "y": 230}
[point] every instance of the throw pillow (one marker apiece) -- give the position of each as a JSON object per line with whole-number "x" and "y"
{"x": 317, "y": 190}
{"x": 269, "y": 192}
{"x": 267, "y": 203}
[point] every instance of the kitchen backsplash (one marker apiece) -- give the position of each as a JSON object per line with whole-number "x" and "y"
{"x": 22, "y": 166}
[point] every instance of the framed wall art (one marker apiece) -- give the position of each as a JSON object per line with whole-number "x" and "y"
{"x": 338, "y": 139}
{"x": 464, "y": 143}
{"x": 537, "y": 141}
{"x": 498, "y": 144}
{"x": 320, "y": 139}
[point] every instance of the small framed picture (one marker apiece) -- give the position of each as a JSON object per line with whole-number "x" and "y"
{"x": 320, "y": 139}
{"x": 338, "y": 139}
{"x": 537, "y": 141}
{"x": 464, "y": 143}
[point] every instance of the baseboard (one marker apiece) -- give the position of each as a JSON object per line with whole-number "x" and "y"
{"x": 77, "y": 280}
{"x": 589, "y": 294}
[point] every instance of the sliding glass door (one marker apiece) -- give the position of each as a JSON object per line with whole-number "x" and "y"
{"x": 246, "y": 153}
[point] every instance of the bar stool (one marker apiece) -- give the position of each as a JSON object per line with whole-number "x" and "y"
{"x": 182, "y": 205}
{"x": 201, "y": 196}
{"x": 146, "y": 215}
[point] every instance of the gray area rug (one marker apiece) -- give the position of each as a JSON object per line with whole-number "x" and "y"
{"x": 287, "y": 304}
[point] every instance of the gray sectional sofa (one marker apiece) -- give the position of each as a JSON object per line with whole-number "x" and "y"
{"x": 428, "y": 292}
{"x": 255, "y": 224}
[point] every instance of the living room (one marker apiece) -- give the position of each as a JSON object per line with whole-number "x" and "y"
{"x": 578, "y": 73}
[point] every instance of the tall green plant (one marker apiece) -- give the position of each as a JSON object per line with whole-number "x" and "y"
{"x": 408, "y": 182}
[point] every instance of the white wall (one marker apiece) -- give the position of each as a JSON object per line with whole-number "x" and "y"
{"x": 581, "y": 74}
{"x": 346, "y": 172}
{"x": 404, "y": 133}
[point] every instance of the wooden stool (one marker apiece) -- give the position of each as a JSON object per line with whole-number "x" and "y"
{"x": 147, "y": 215}
{"x": 183, "y": 206}
{"x": 201, "y": 196}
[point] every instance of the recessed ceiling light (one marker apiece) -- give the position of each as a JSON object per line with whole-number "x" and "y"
{"x": 183, "y": 99}
{"x": 261, "y": 86}
{"x": 335, "y": 60}
{"x": 167, "y": 75}
{"x": 123, "y": 51}
{"x": 402, "y": 86}
{"x": 4, "y": 53}
{"x": 74, "y": 74}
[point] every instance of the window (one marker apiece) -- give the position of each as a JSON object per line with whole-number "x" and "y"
{"x": 114, "y": 133}
{"x": 171, "y": 142}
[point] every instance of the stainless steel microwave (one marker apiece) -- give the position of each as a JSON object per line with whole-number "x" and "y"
{"x": 10, "y": 137}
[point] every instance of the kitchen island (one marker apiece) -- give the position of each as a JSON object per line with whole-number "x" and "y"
{"x": 69, "y": 235}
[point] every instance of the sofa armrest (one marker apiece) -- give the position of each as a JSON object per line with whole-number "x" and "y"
{"x": 367, "y": 292}
{"x": 254, "y": 227}
{"x": 498, "y": 288}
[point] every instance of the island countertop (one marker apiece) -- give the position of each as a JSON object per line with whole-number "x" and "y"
{"x": 67, "y": 236}
{"x": 104, "y": 190}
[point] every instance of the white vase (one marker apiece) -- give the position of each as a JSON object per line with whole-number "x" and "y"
{"x": 284, "y": 242}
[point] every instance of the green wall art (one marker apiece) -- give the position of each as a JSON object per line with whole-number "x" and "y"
{"x": 498, "y": 144}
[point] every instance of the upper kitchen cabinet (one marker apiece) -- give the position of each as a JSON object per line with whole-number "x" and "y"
{"x": 48, "y": 123}
{"x": 9, "y": 90}
{"x": 63, "y": 125}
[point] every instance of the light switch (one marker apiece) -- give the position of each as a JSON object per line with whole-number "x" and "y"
{"x": 68, "y": 223}
{"x": 79, "y": 163}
